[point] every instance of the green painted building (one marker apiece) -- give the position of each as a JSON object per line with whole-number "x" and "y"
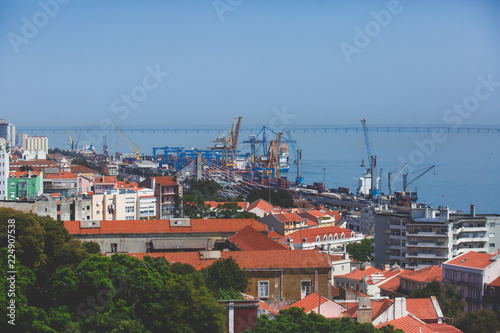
{"x": 24, "y": 184}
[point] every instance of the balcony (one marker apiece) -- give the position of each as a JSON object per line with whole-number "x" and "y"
{"x": 427, "y": 234}
{"x": 426, "y": 256}
{"x": 471, "y": 229}
{"x": 470, "y": 240}
{"x": 440, "y": 245}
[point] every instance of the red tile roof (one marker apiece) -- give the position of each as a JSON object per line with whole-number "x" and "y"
{"x": 268, "y": 259}
{"x": 248, "y": 239}
{"x": 335, "y": 292}
{"x": 60, "y": 175}
{"x": 34, "y": 163}
{"x": 421, "y": 308}
{"x": 310, "y": 302}
{"x": 165, "y": 181}
{"x": 495, "y": 283}
{"x": 384, "y": 275}
{"x": 311, "y": 234}
{"x": 408, "y": 325}
{"x": 358, "y": 274}
{"x": 104, "y": 180}
{"x": 392, "y": 284}
{"x": 273, "y": 235}
{"x": 378, "y": 307}
{"x": 288, "y": 217}
{"x": 261, "y": 204}
{"x": 472, "y": 259}
{"x": 75, "y": 168}
{"x": 428, "y": 274}
{"x": 24, "y": 174}
{"x": 163, "y": 226}
{"x": 241, "y": 204}
{"x": 443, "y": 328}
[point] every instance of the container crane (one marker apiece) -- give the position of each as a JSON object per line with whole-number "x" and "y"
{"x": 71, "y": 140}
{"x": 138, "y": 157}
{"x": 372, "y": 159}
{"x": 392, "y": 179}
{"x": 228, "y": 142}
{"x": 406, "y": 183}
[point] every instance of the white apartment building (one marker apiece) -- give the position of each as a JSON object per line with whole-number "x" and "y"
{"x": 115, "y": 205}
{"x": 147, "y": 204}
{"x": 4, "y": 170}
{"x": 36, "y": 143}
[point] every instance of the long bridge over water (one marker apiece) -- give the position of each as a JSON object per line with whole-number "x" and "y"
{"x": 334, "y": 129}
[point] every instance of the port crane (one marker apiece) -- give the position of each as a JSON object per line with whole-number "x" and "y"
{"x": 298, "y": 158}
{"x": 406, "y": 183}
{"x": 228, "y": 142}
{"x": 372, "y": 158}
{"x": 392, "y": 179}
{"x": 71, "y": 140}
{"x": 138, "y": 157}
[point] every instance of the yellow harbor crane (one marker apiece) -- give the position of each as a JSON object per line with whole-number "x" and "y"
{"x": 136, "y": 151}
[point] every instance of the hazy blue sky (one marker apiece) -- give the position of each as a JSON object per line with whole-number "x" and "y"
{"x": 75, "y": 64}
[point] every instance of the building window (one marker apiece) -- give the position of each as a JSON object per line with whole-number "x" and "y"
{"x": 129, "y": 209}
{"x": 305, "y": 288}
{"x": 114, "y": 247}
{"x": 492, "y": 244}
{"x": 263, "y": 289}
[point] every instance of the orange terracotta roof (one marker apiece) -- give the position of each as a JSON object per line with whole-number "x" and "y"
{"x": 60, "y": 175}
{"x": 443, "y": 328}
{"x": 421, "y": 308}
{"x": 378, "y": 307}
{"x": 165, "y": 181}
{"x": 495, "y": 283}
{"x": 335, "y": 292}
{"x": 391, "y": 285}
{"x": 310, "y": 302}
{"x": 24, "y": 174}
{"x": 288, "y": 217}
{"x": 241, "y": 204}
{"x": 274, "y": 235}
{"x": 38, "y": 162}
{"x": 261, "y": 204}
{"x": 248, "y": 239}
{"x": 384, "y": 275}
{"x": 104, "y": 180}
{"x": 408, "y": 325}
{"x": 268, "y": 259}
{"x": 428, "y": 274}
{"x": 75, "y": 168}
{"x": 311, "y": 234}
{"x": 265, "y": 306}
{"x": 358, "y": 274}
{"x": 472, "y": 259}
{"x": 163, "y": 226}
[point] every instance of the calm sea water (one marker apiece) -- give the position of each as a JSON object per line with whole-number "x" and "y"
{"x": 467, "y": 165}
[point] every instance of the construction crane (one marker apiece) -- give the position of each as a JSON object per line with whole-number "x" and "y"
{"x": 372, "y": 158}
{"x": 298, "y": 158}
{"x": 228, "y": 142}
{"x": 71, "y": 140}
{"x": 138, "y": 157}
{"x": 392, "y": 179}
{"x": 406, "y": 183}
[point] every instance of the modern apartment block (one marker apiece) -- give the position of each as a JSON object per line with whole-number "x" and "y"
{"x": 115, "y": 205}
{"x": 168, "y": 196}
{"x": 423, "y": 237}
{"x": 4, "y": 170}
{"x": 36, "y": 143}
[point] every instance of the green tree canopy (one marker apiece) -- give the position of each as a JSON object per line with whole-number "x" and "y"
{"x": 278, "y": 198}
{"x": 482, "y": 321}
{"x": 26, "y": 168}
{"x": 449, "y": 298}
{"x": 232, "y": 210}
{"x": 224, "y": 275}
{"x": 294, "y": 320}
{"x": 361, "y": 251}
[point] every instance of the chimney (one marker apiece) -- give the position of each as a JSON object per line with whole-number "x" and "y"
{"x": 399, "y": 307}
{"x": 364, "y": 310}
{"x": 387, "y": 267}
{"x": 472, "y": 210}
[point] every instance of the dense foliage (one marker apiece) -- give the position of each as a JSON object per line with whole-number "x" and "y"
{"x": 482, "y": 321}
{"x": 224, "y": 276}
{"x": 294, "y": 320}
{"x": 81, "y": 161}
{"x": 361, "y": 251}
{"x": 278, "y": 198}
{"x": 205, "y": 190}
{"x": 63, "y": 286}
{"x": 449, "y": 298}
